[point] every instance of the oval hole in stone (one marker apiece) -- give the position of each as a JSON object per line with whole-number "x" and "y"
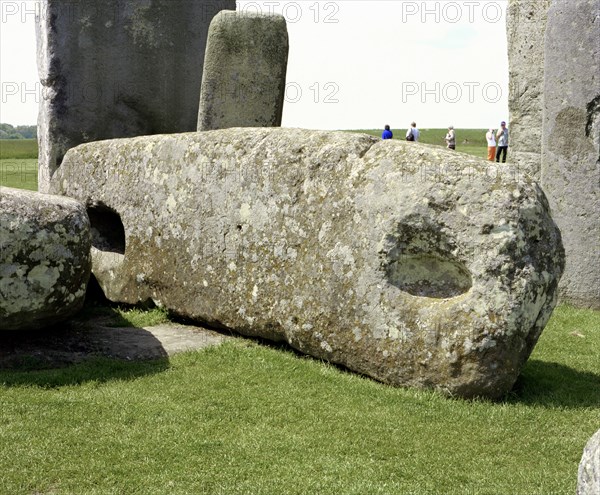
{"x": 108, "y": 233}
{"x": 426, "y": 275}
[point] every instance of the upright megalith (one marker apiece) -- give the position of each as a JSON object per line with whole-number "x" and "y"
{"x": 570, "y": 173}
{"x": 244, "y": 71}
{"x": 411, "y": 264}
{"x": 44, "y": 258}
{"x": 117, "y": 68}
{"x": 526, "y": 27}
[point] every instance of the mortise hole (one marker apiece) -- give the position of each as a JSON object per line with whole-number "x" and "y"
{"x": 426, "y": 275}
{"x": 419, "y": 260}
{"x": 108, "y": 233}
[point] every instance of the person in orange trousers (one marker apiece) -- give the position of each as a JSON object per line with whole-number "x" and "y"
{"x": 491, "y": 142}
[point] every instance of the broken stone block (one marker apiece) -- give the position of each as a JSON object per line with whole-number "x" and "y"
{"x": 244, "y": 71}
{"x": 414, "y": 265}
{"x": 44, "y": 259}
{"x": 118, "y": 68}
{"x": 570, "y": 173}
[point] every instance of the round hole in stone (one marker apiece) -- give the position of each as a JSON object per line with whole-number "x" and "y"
{"x": 108, "y": 233}
{"x": 426, "y": 275}
{"x": 419, "y": 258}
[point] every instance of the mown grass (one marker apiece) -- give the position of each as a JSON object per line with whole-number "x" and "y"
{"x": 116, "y": 316}
{"x": 244, "y": 418}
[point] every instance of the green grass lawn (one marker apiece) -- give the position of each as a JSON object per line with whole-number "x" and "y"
{"x": 248, "y": 419}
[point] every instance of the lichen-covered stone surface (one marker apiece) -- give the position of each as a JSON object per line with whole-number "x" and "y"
{"x": 588, "y": 479}
{"x": 409, "y": 263}
{"x": 571, "y": 142}
{"x": 526, "y": 27}
{"x": 116, "y": 68}
{"x": 44, "y": 259}
{"x": 244, "y": 71}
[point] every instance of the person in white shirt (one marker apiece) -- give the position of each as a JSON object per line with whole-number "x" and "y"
{"x": 491, "y": 142}
{"x": 413, "y": 133}
{"x": 451, "y": 138}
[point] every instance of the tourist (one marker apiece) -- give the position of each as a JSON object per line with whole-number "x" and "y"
{"x": 502, "y": 138}
{"x": 413, "y": 133}
{"x": 387, "y": 134}
{"x": 491, "y": 142}
{"x": 451, "y": 138}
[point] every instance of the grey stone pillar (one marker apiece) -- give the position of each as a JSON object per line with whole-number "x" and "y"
{"x": 526, "y": 27}
{"x": 118, "y": 68}
{"x": 244, "y": 71}
{"x": 570, "y": 173}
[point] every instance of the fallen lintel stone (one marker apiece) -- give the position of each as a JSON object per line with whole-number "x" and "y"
{"x": 409, "y": 263}
{"x": 44, "y": 259}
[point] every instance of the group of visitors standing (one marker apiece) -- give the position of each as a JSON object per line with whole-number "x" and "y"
{"x": 497, "y": 141}
{"x": 412, "y": 134}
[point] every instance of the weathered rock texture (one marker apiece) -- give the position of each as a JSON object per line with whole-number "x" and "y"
{"x": 411, "y": 264}
{"x": 571, "y": 142}
{"x": 588, "y": 479}
{"x": 244, "y": 71}
{"x": 118, "y": 68}
{"x": 44, "y": 258}
{"x": 526, "y": 27}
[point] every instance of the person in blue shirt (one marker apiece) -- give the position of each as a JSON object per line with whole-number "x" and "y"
{"x": 387, "y": 134}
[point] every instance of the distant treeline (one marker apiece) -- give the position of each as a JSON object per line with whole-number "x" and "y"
{"x": 8, "y": 131}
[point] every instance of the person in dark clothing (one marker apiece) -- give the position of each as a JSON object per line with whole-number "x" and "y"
{"x": 502, "y": 138}
{"x": 387, "y": 134}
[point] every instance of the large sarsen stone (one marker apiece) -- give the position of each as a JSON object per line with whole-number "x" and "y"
{"x": 44, "y": 258}
{"x": 571, "y": 142}
{"x": 118, "y": 68}
{"x": 409, "y": 263}
{"x": 244, "y": 71}
{"x": 526, "y": 28}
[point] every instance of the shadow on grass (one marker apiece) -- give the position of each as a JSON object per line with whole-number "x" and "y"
{"x": 555, "y": 385}
{"x": 74, "y": 353}
{"x": 98, "y": 370}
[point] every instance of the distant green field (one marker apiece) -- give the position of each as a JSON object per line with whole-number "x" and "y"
{"x": 21, "y": 174}
{"x": 18, "y": 163}
{"x": 470, "y": 141}
{"x": 18, "y": 148}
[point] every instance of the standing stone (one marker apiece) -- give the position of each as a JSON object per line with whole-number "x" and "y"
{"x": 588, "y": 478}
{"x": 44, "y": 258}
{"x": 118, "y": 68}
{"x": 571, "y": 142}
{"x": 244, "y": 71}
{"x": 411, "y": 264}
{"x": 526, "y": 27}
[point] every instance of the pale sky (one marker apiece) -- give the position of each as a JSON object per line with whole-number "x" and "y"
{"x": 353, "y": 64}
